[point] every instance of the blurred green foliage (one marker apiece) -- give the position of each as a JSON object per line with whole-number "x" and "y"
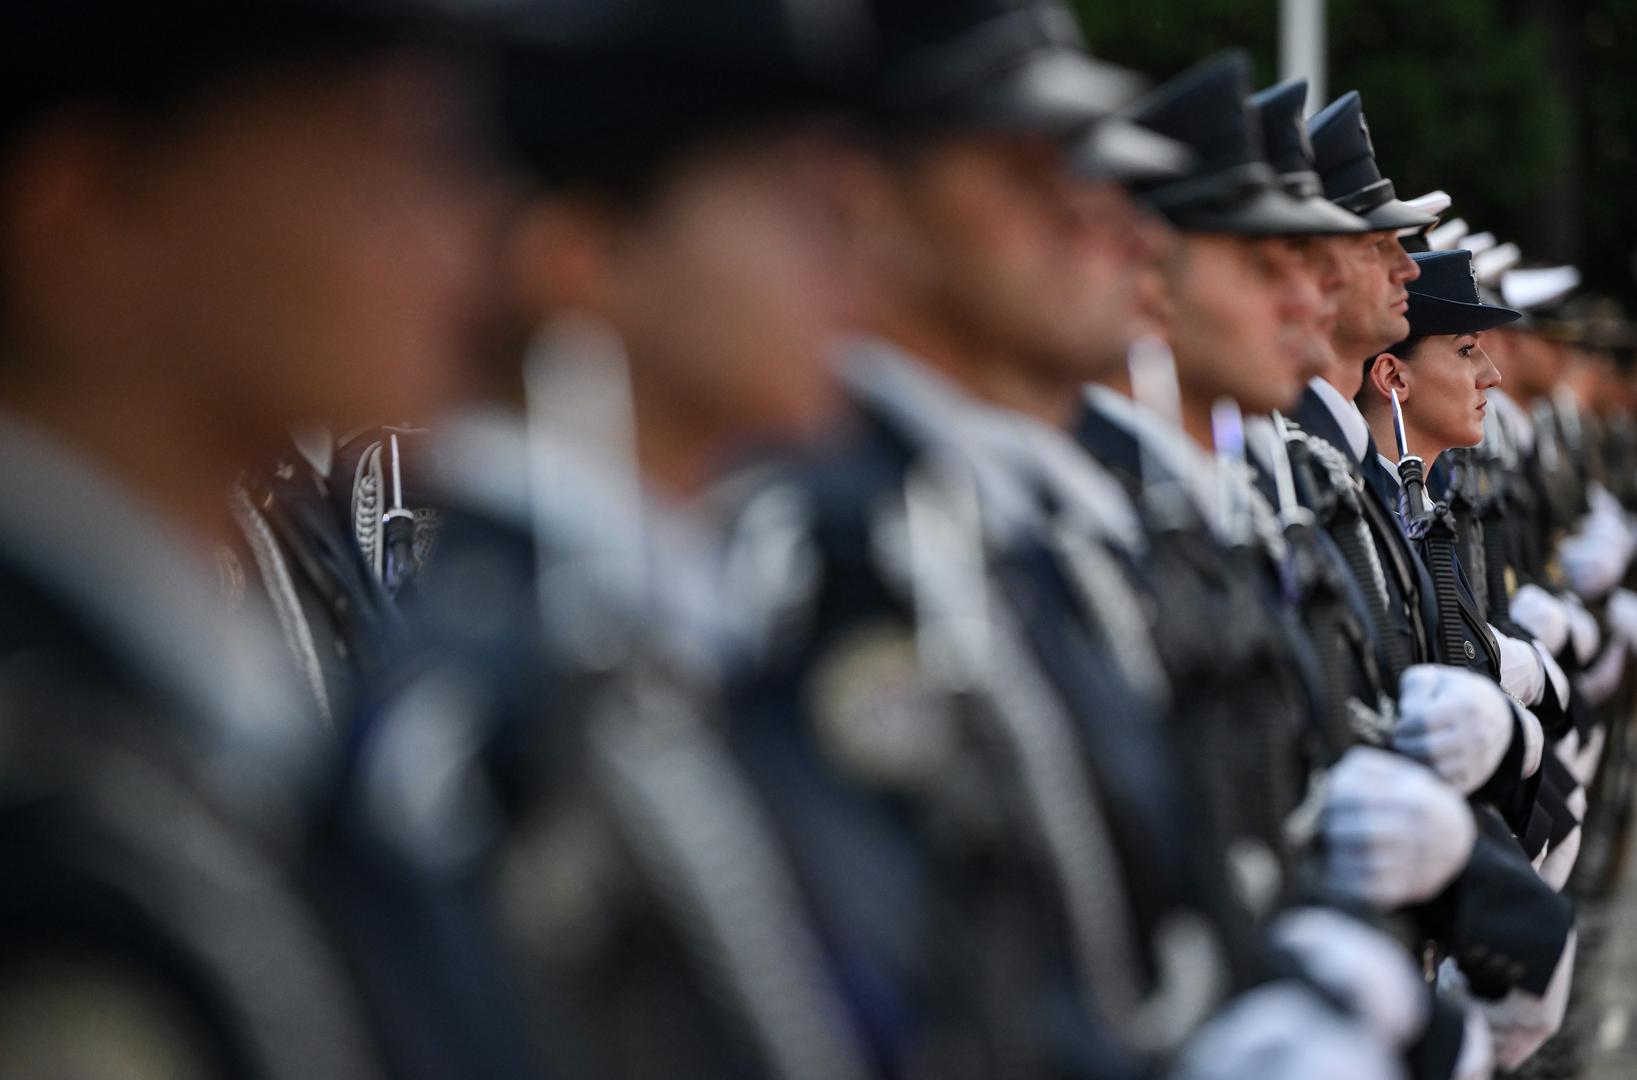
{"x": 1524, "y": 110}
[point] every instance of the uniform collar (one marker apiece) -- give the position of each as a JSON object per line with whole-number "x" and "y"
{"x": 1014, "y": 458}
{"x": 658, "y": 560}
{"x": 1165, "y": 444}
{"x": 1347, "y": 416}
{"x": 149, "y": 595}
{"x": 1390, "y": 466}
{"x": 482, "y": 464}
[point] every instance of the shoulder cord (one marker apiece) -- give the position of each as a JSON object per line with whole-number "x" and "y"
{"x": 281, "y": 591}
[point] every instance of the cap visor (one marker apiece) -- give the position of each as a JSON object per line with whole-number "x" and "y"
{"x": 1119, "y": 150}
{"x": 1430, "y": 316}
{"x": 1054, "y": 91}
{"x": 1394, "y": 214}
{"x": 1267, "y": 212}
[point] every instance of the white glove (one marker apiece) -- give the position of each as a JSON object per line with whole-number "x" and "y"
{"x": 1365, "y": 969}
{"x": 1523, "y": 672}
{"x": 1585, "y": 766}
{"x": 1568, "y": 747}
{"x": 1543, "y": 615}
{"x": 1559, "y": 862}
{"x": 1623, "y": 615}
{"x": 1602, "y": 678}
{"x": 1394, "y": 833}
{"x": 1520, "y": 1022}
{"x": 1583, "y": 631}
{"x": 1477, "y": 1058}
{"x": 1576, "y": 802}
{"x": 1554, "y": 673}
{"x": 1454, "y": 721}
{"x": 1594, "y": 559}
{"x": 1282, "y": 1032}
{"x": 1534, "y": 741}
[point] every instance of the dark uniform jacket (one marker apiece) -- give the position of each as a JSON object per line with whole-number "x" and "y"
{"x": 154, "y": 792}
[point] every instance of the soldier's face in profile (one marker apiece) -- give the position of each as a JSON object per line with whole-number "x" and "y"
{"x": 726, "y": 285}
{"x": 296, "y": 246}
{"x": 1442, "y": 387}
{"x": 1374, "y": 297}
{"x": 1320, "y": 264}
{"x": 1534, "y": 365}
{"x": 1034, "y": 264}
{"x": 1238, "y": 313}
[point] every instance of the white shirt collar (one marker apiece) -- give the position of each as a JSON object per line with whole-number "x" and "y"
{"x": 1391, "y": 466}
{"x": 1353, "y": 425}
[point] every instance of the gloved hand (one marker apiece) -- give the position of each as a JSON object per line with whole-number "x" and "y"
{"x": 1520, "y": 1022}
{"x": 1576, "y": 802}
{"x": 1592, "y": 565}
{"x": 1601, "y": 677}
{"x": 1568, "y": 747}
{"x": 1591, "y": 755}
{"x": 1365, "y": 969}
{"x": 1523, "y": 669}
{"x": 1543, "y": 615}
{"x": 1282, "y": 1032}
{"x": 1584, "y": 632}
{"x": 1594, "y": 559}
{"x": 1477, "y": 1057}
{"x": 1559, "y": 862}
{"x": 1454, "y": 721}
{"x": 1622, "y": 612}
{"x": 1534, "y": 741}
{"x": 1556, "y": 677}
{"x": 1393, "y": 833}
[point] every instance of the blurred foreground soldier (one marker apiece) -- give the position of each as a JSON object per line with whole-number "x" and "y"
{"x": 967, "y": 665}
{"x": 547, "y": 745}
{"x": 215, "y": 223}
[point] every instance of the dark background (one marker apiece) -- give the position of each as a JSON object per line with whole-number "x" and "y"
{"x": 1523, "y": 110}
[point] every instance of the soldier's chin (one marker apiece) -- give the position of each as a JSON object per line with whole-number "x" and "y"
{"x": 1396, "y": 329}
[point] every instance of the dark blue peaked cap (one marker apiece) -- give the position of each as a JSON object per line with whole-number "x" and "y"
{"x": 1345, "y": 159}
{"x": 1445, "y": 298}
{"x": 992, "y": 64}
{"x": 603, "y": 91}
{"x": 58, "y": 51}
{"x": 1281, "y": 109}
{"x": 1232, "y": 188}
{"x": 1012, "y": 66}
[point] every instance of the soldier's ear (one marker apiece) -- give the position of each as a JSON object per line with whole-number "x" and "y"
{"x": 1387, "y": 375}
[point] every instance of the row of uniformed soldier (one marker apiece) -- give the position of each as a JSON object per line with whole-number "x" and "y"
{"x": 860, "y": 543}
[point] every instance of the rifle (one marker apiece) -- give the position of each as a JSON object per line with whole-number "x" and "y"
{"x": 1338, "y": 503}
{"x": 1465, "y": 505}
{"x": 975, "y": 651}
{"x": 1339, "y": 637}
{"x": 1234, "y": 691}
{"x": 1494, "y": 488}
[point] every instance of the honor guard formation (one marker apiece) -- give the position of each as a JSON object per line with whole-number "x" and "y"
{"x": 622, "y": 539}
